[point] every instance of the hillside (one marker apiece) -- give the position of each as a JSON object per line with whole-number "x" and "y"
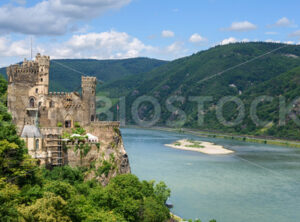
{"x": 273, "y": 74}
{"x": 65, "y": 75}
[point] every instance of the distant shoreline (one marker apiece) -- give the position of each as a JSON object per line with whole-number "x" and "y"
{"x": 200, "y": 146}
{"x": 243, "y": 138}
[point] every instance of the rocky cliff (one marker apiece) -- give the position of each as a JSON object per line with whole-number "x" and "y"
{"x": 104, "y": 159}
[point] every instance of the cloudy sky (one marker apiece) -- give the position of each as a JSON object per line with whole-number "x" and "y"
{"x": 163, "y": 29}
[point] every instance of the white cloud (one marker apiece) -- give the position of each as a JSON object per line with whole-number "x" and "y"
{"x": 196, "y": 38}
{"x": 167, "y": 34}
{"x": 283, "y": 22}
{"x": 278, "y": 41}
{"x": 228, "y": 41}
{"x": 232, "y": 40}
{"x": 104, "y": 45}
{"x": 272, "y": 41}
{"x": 52, "y": 17}
{"x": 19, "y": 48}
{"x": 245, "y": 40}
{"x": 241, "y": 26}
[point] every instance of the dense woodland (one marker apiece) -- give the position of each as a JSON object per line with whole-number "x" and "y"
{"x": 274, "y": 74}
{"x": 31, "y": 193}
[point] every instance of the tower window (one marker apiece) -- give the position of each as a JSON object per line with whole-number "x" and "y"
{"x": 31, "y": 103}
{"x": 92, "y": 118}
{"x": 41, "y": 79}
{"x": 36, "y": 90}
{"x": 40, "y": 103}
{"x": 51, "y": 104}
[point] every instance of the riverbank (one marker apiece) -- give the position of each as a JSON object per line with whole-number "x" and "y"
{"x": 244, "y": 138}
{"x": 199, "y": 146}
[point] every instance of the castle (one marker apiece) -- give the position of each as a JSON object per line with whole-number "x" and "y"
{"x": 28, "y": 95}
{"x": 42, "y": 117}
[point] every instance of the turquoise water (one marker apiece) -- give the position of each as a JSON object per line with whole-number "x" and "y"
{"x": 256, "y": 183}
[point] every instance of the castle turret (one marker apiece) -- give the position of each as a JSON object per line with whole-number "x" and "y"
{"x": 88, "y": 85}
{"x": 43, "y": 74}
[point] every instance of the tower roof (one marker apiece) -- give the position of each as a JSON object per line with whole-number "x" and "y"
{"x": 31, "y": 131}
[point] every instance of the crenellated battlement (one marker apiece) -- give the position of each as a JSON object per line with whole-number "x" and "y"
{"x": 88, "y": 81}
{"x": 64, "y": 94}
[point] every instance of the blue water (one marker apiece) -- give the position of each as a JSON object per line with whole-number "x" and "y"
{"x": 257, "y": 183}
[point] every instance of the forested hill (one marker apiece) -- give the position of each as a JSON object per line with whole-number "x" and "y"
{"x": 201, "y": 74}
{"x": 65, "y": 74}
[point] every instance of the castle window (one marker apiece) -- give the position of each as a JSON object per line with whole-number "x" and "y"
{"x": 51, "y": 104}
{"x": 31, "y": 103}
{"x": 40, "y": 103}
{"x": 41, "y": 79}
{"x": 68, "y": 124}
{"x": 37, "y": 144}
{"x": 36, "y": 90}
{"x": 92, "y": 118}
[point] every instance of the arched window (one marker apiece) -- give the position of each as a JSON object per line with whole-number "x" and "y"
{"x": 68, "y": 121}
{"x": 37, "y": 144}
{"x": 31, "y": 103}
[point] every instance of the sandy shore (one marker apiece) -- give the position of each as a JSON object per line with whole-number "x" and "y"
{"x": 199, "y": 146}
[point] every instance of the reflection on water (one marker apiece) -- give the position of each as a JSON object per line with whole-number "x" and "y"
{"x": 256, "y": 183}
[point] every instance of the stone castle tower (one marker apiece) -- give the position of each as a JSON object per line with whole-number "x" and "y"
{"x": 88, "y": 85}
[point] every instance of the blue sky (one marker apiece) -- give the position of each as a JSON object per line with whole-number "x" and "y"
{"x": 163, "y": 29}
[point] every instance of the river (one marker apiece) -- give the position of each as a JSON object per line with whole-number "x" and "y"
{"x": 257, "y": 183}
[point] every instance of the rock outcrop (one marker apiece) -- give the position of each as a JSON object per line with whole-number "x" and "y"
{"x": 105, "y": 159}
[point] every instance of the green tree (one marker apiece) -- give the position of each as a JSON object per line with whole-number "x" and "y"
{"x": 49, "y": 208}
{"x": 9, "y": 199}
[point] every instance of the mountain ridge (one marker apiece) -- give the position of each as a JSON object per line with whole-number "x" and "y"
{"x": 182, "y": 78}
